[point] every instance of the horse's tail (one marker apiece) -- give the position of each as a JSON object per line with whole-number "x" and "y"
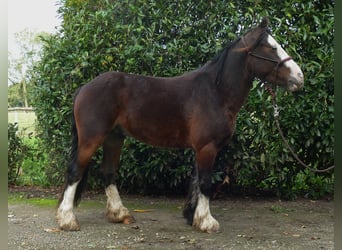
{"x": 71, "y": 172}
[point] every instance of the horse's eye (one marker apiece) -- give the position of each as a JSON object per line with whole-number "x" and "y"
{"x": 274, "y": 48}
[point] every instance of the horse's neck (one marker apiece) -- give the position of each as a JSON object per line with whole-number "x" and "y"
{"x": 235, "y": 84}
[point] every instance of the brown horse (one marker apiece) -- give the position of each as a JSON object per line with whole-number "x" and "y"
{"x": 195, "y": 110}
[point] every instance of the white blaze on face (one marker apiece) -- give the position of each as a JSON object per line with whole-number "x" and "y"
{"x": 296, "y": 78}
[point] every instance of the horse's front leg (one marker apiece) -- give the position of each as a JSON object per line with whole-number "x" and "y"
{"x": 197, "y": 209}
{"x": 116, "y": 211}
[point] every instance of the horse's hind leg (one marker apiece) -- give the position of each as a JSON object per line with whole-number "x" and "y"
{"x": 112, "y": 145}
{"x": 76, "y": 179}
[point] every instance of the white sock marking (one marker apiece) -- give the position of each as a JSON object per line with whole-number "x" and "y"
{"x": 203, "y": 219}
{"x": 114, "y": 200}
{"x": 116, "y": 212}
{"x": 68, "y": 199}
{"x": 65, "y": 216}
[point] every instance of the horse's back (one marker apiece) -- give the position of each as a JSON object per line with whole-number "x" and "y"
{"x": 151, "y": 109}
{"x": 154, "y": 110}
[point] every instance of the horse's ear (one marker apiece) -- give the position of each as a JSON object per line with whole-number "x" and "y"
{"x": 264, "y": 22}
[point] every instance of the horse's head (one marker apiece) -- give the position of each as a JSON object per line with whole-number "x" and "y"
{"x": 269, "y": 61}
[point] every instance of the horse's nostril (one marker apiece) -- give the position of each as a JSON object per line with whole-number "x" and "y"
{"x": 300, "y": 76}
{"x": 295, "y": 83}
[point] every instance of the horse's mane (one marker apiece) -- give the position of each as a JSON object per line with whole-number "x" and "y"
{"x": 221, "y": 57}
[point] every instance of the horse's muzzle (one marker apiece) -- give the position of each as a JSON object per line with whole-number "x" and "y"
{"x": 295, "y": 83}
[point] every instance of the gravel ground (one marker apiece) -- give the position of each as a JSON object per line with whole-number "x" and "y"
{"x": 245, "y": 224}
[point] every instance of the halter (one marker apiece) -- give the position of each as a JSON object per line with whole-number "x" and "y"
{"x": 274, "y": 103}
{"x": 278, "y": 62}
{"x": 250, "y": 52}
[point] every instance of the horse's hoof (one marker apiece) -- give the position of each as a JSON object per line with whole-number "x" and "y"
{"x": 213, "y": 229}
{"x": 128, "y": 220}
{"x": 208, "y": 225}
{"x": 206, "y": 229}
{"x": 120, "y": 215}
{"x": 67, "y": 221}
{"x": 72, "y": 226}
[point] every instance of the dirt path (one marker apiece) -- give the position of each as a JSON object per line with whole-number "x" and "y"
{"x": 245, "y": 224}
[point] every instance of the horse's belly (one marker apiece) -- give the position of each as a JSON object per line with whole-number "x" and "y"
{"x": 157, "y": 132}
{"x": 160, "y": 138}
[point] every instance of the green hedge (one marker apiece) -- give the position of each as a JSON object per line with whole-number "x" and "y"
{"x": 167, "y": 38}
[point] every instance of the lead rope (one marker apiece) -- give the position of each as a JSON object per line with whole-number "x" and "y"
{"x": 276, "y": 118}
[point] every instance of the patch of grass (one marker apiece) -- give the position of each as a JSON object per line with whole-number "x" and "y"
{"x": 19, "y": 198}
{"x": 43, "y": 202}
{"x": 280, "y": 209}
{"x": 144, "y": 204}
